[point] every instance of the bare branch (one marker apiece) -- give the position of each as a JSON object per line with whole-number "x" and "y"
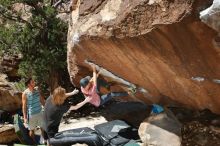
{"x": 57, "y": 3}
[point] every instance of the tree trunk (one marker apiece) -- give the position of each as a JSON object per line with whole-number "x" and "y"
{"x": 53, "y": 80}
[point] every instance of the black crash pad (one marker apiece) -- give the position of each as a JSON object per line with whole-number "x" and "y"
{"x": 83, "y": 135}
{"x": 117, "y": 132}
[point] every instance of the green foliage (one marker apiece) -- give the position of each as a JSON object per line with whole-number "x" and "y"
{"x": 20, "y": 86}
{"x": 41, "y": 39}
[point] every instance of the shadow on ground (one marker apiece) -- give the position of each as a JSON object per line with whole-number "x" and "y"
{"x": 201, "y": 128}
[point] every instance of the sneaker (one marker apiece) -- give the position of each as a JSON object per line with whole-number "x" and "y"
{"x": 132, "y": 90}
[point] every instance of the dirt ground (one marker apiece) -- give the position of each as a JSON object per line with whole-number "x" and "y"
{"x": 200, "y": 128}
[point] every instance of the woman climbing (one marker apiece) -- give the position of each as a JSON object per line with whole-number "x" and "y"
{"x": 90, "y": 87}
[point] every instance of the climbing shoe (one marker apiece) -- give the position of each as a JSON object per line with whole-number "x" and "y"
{"x": 132, "y": 90}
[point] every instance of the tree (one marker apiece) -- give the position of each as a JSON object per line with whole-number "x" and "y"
{"x": 31, "y": 28}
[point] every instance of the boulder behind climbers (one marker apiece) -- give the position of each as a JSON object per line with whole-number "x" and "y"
{"x": 161, "y": 130}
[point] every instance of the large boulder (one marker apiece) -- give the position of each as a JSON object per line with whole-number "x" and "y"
{"x": 9, "y": 97}
{"x": 160, "y": 45}
{"x": 10, "y": 93}
{"x": 128, "y": 111}
{"x": 161, "y": 130}
{"x": 211, "y": 17}
{"x": 9, "y": 65}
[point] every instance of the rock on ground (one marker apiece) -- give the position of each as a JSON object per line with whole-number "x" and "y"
{"x": 7, "y": 134}
{"x": 161, "y": 130}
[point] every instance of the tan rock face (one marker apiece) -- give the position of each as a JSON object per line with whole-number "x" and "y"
{"x": 9, "y": 65}
{"x": 7, "y": 134}
{"x": 9, "y": 100}
{"x": 175, "y": 62}
{"x": 160, "y": 130}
